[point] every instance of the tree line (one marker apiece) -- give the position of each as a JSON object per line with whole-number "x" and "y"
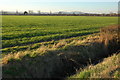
{"x": 30, "y": 12}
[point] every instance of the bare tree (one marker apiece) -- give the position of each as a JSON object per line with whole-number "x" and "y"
{"x": 2, "y": 12}
{"x": 103, "y": 14}
{"x": 59, "y": 12}
{"x": 30, "y": 11}
{"x": 39, "y": 12}
{"x": 50, "y": 12}
{"x": 17, "y": 12}
{"x": 111, "y": 13}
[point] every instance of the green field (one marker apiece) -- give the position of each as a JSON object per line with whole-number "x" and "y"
{"x": 60, "y": 46}
{"x": 20, "y": 32}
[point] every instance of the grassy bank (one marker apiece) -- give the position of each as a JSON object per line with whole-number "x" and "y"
{"x": 108, "y": 68}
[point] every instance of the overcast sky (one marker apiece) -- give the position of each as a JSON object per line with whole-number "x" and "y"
{"x": 95, "y": 6}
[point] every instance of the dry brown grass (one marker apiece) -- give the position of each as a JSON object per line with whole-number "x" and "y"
{"x": 108, "y": 68}
{"x": 110, "y": 37}
{"x": 60, "y": 44}
{"x": 59, "y": 59}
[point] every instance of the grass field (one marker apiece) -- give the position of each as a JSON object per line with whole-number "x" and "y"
{"x": 23, "y": 32}
{"x": 60, "y": 46}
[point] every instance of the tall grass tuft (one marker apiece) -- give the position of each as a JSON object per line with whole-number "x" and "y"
{"x": 110, "y": 37}
{"x": 63, "y": 58}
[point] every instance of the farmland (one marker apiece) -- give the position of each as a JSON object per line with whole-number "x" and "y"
{"x": 60, "y": 47}
{"x": 22, "y": 32}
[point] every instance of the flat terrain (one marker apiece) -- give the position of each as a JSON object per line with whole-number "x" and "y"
{"x": 23, "y": 32}
{"x": 60, "y": 46}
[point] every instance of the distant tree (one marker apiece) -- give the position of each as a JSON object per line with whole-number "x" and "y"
{"x": 50, "y": 12}
{"x": 111, "y": 13}
{"x": 59, "y": 12}
{"x": 30, "y": 11}
{"x": 17, "y": 12}
{"x": 2, "y": 12}
{"x": 25, "y": 13}
{"x": 102, "y": 14}
{"x": 74, "y": 13}
{"x": 39, "y": 12}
